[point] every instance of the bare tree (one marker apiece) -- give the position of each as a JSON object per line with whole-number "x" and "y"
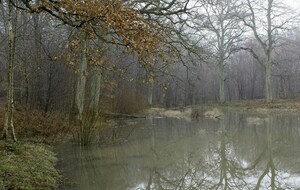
{"x": 266, "y": 31}
{"x": 223, "y": 32}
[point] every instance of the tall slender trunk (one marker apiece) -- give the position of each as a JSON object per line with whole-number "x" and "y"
{"x": 72, "y": 86}
{"x": 49, "y": 88}
{"x": 9, "y": 125}
{"x": 24, "y": 84}
{"x": 268, "y": 81}
{"x": 150, "y": 93}
{"x": 253, "y": 79}
{"x": 38, "y": 83}
{"x": 222, "y": 83}
{"x": 269, "y": 54}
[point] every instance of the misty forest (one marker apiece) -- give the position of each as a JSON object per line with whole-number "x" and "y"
{"x": 149, "y": 94}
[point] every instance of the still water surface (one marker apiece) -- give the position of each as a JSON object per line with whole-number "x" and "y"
{"x": 238, "y": 152}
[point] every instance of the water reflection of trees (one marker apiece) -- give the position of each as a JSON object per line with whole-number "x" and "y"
{"x": 270, "y": 167}
{"x": 221, "y": 166}
{"x": 217, "y": 168}
{"x": 170, "y": 154}
{"x": 228, "y": 170}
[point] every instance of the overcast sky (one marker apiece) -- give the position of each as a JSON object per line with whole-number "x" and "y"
{"x": 294, "y": 3}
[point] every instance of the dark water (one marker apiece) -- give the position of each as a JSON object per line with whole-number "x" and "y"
{"x": 238, "y": 152}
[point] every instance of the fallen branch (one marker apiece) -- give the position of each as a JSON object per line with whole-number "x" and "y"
{"x": 121, "y": 115}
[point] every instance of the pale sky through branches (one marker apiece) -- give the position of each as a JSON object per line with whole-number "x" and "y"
{"x": 294, "y": 3}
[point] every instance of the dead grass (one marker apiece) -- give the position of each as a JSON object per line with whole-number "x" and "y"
{"x": 214, "y": 113}
{"x": 179, "y": 114}
{"x": 261, "y": 106}
{"x": 210, "y": 110}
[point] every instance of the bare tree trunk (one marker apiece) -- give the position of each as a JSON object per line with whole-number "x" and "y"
{"x": 150, "y": 93}
{"x": 95, "y": 90}
{"x": 49, "y": 88}
{"x": 80, "y": 89}
{"x": 267, "y": 45}
{"x": 81, "y": 79}
{"x": 38, "y": 83}
{"x": 268, "y": 82}
{"x": 222, "y": 83}
{"x": 253, "y": 80}
{"x": 91, "y": 118}
{"x": 269, "y": 54}
{"x": 10, "y": 99}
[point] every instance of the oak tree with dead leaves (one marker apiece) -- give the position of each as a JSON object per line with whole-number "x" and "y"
{"x": 105, "y": 22}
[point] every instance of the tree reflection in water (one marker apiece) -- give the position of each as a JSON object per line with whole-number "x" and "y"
{"x": 221, "y": 166}
{"x": 161, "y": 154}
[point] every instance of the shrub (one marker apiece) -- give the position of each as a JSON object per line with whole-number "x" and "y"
{"x": 34, "y": 126}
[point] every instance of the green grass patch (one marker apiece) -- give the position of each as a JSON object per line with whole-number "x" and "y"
{"x": 27, "y": 166}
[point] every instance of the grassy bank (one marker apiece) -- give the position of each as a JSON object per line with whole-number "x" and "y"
{"x": 30, "y": 163}
{"x": 26, "y": 165}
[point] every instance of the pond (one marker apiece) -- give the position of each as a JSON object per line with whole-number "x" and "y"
{"x": 240, "y": 151}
